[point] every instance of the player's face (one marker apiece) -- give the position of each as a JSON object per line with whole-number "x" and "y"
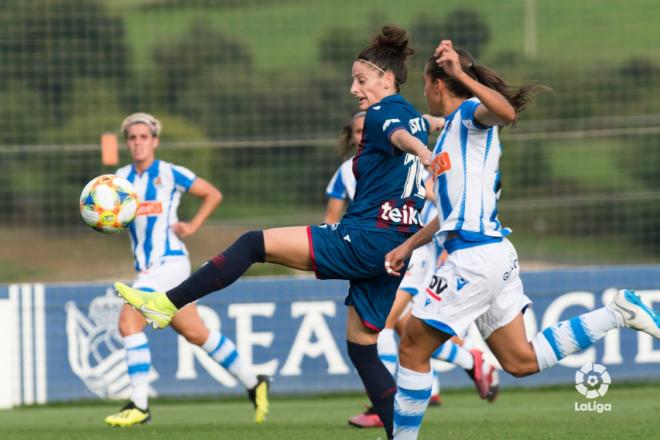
{"x": 432, "y": 95}
{"x": 356, "y": 130}
{"x": 369, "y": 85}
{"x": 141, "y": 143}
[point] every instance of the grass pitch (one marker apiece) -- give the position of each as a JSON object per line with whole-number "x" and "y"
{"x": 517, "y": 414}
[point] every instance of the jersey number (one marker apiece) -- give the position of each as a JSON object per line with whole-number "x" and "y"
{"x": 414, "y": 179}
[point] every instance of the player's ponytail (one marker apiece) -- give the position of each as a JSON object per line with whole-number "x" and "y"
{"x": 345, "y": 143}
{"x": 388, "y": 51}
{"x": 518, "y": 97}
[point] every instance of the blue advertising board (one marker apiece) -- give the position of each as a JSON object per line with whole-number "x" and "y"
{"x": 291, "y": 329}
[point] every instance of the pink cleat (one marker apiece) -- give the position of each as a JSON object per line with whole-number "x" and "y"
{"x": 367, "y": 419}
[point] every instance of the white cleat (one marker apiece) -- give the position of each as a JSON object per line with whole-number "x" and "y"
{"x": 636, "y": 314}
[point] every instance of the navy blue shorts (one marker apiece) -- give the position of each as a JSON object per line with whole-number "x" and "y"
{"x": 339, "y": 252}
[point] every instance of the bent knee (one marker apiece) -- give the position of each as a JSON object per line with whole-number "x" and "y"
{"x": 521, "y": 369}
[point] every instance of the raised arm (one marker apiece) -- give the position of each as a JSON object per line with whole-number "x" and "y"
{"x": 494, "y": 108}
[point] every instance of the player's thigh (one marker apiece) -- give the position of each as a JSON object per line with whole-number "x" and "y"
{"x": 130, "y": 321}
{"x": 356, "y": 331}
{"x": 288, "y": 246}
{"x": 418, "y": 342}
{"x": 510, "y": 346}
{"x": 189, "y": 324}
{"x": 399, "y": 310}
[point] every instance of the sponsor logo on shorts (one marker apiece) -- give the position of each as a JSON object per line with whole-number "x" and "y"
{"x": 436, "y": 287}
{"x": 460, "y": 283}
{"x": 513, "y": 258}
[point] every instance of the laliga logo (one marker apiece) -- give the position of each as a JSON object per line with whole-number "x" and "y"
{"x": 592, "y": 381}
{"x": 96, "y": 349}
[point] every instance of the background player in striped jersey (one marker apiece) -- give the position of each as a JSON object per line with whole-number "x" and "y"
{"x": 384, "y": 212}
{"x": 161, "y": 261}
{"x": 480, "y": 279}
{"x": 341, "y": 188}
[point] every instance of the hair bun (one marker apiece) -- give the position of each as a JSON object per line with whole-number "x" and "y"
{"x": 394, "y": 38}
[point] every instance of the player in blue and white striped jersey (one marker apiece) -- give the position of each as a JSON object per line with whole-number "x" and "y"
{"x": 161, "y": 262}
{"x": 340, "y": 192}
{"x": 480, "y": 280}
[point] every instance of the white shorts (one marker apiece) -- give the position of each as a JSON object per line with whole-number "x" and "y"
{"x": 480, "y": 284}
{"x": 420, "y": 270}
{"x": 170, "y": 273}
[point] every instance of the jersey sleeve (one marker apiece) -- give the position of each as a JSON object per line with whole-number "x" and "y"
{"x": 383, "y": 122}
{"x": 336, "y": 188}
{"x": 183, "y": 177}
{"x": 467, "y": 115}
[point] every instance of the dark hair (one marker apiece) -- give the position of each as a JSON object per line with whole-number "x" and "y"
{"x": 388, "y": 51}
{"x": 518, "y": 97}
{"x": 345, "y": 139}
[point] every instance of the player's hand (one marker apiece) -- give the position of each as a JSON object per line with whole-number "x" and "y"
{"x": 183, "y": 229}
{"x": 426, "y": 157}
{"x": 448, "y": 59}
{"x": 436, "y": 123}
{"x": 396, "y": 259}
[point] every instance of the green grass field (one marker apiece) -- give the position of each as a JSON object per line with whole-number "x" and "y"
{"x": 517, "y": 414}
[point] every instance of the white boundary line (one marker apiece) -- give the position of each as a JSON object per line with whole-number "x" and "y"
{"x": 28, "y": 361}
{"x": 40, "y": 342}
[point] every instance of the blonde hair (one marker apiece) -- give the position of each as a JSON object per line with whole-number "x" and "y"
{"x": 142, "y": 118}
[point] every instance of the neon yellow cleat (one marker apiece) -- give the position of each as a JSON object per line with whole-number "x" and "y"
{"x": 156, "y": 307}
{"x": 129, "y": 415}
{"x": 259, "y": 397}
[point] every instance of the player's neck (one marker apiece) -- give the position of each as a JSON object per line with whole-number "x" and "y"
{"x": 143, "y": 165}
{"x": 450, "y": 104}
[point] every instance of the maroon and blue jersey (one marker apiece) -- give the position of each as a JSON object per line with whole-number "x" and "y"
{"x": 390, "y": 192}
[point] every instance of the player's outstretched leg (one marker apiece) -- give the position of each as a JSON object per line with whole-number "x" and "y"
{"x": 221, "y": 271}
{"x": 556, "y": 342}
{"x": 138, "y": 361}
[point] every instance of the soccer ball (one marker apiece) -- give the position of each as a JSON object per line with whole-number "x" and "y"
{"x": 108, "y": 203}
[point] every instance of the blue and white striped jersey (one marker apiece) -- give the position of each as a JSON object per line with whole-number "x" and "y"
{"x": 466, "y": 168}
{"x": 342, "y": 184}
{"x": 159, "y": 190}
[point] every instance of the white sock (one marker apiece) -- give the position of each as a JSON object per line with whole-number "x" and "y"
{"x": 387, "y": 349}
{"x": 412, "y": 398}
{"x": 138, "y": 360}
{"x": 455, "y": 354}
{"x": 224, "y": 352}
{"x": 567, "y": 337}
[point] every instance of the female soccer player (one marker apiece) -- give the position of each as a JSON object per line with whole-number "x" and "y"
{"x": 422, "y": 266}
{"x": 480, "y": 279}
{"x": 161, "y": 260}
{"x": 385, "y": 211}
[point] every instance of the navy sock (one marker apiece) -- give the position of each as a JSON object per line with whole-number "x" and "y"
{"x": 377, "y": 380}
{"x": 222, "y": 270}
